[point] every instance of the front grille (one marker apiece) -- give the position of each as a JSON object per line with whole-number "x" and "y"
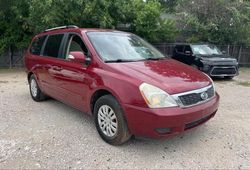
{"x": 223, "y": 71}
{"x": 224, "y": 63}
{"x": 190, "y": 99}
{"x": 196, "y": 97}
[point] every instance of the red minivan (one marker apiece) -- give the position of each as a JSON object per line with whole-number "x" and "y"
{"x": 125, "y": 83}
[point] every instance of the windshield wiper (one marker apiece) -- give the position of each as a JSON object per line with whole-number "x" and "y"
{"x": 119, "y": 61}
{"x": 151, "y": 58}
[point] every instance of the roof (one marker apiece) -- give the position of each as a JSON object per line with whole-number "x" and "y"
{"x": 72, "y": 28}
{"x": 199, "y": 43}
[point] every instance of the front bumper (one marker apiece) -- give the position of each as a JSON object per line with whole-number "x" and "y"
{"x": 146, "y": 122}
{"x": 221, "y": 70}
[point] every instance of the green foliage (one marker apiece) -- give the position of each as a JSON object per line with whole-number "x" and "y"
{"x": 216, "y": 21}
{"x": 143, "y": 17}
{"x": 21, "y": 19}
{"x": 146, "y": 21}
{"x": 13, "y": 24}
{"x": 170, "y": 5}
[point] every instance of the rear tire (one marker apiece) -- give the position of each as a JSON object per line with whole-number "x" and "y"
{"x": 35, "y": 91}
{"x": 110, "y": 121}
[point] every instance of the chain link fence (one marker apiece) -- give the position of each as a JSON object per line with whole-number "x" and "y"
{"x": 8, "y": 61}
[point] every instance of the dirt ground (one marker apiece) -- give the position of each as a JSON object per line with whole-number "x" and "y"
{"x": 52, "y": 135}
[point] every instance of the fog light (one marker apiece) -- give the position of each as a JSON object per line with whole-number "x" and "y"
{"x": 163, "y": 130}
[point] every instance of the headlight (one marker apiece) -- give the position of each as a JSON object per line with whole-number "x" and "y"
{"x": 206, "y": 62}
{"x": 155, "y": 97}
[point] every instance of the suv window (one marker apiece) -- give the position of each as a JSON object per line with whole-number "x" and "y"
{"x": 37, "y": 45}
{"x": 187, "y": 48}
{"x": 53, "y": 45}
{"x": 179, "y": 48}
{"x": 75, "y": 43}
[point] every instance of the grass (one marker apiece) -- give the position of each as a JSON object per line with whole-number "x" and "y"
{"x": 244, "y": 77}
{"x": 244, "y": 83}
{"x": 244, "y": 69}
{"x": 10, "y": 70}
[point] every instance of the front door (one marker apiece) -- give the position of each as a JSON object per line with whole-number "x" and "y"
{"x": 187, "y": 56}
{"x": 73, "y": 78}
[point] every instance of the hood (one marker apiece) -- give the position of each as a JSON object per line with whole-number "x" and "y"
{"x": 169, "y": 75}
{"x": 217, "y": 58}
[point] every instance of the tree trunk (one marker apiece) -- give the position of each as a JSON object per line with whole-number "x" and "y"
{"x": 11, "y": 56}
{"x": 233, "y": 51}
{"x": 228, "y": 49}
{"x": 239, "y": 55}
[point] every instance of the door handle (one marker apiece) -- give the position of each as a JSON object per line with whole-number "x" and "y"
{"x": 57, "y": 68}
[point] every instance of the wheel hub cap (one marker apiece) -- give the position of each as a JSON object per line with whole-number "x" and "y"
{"x": 107, "y": 121}
{"x": 33, "y": 87}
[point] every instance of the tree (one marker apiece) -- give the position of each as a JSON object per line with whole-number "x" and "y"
{"x": 216, "y": 21}
{"x": 143, "y": 17}
{"x": 145, "y": 20}
{"x": 170, "y": 5}
{"x": 14, "y": 32}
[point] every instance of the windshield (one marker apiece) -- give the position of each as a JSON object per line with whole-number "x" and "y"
{"x": 206, "y": 50}
{"x": 118, "y": 46}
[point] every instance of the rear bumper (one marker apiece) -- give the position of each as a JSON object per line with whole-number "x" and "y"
{"x": 148, "y": 122}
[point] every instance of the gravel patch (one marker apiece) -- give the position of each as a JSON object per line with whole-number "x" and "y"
{"x": 53, "y": 135}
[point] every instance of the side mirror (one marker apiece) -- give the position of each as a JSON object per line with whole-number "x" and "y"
{"x": 78, "y": 57}
{"x": 188, "y": 53}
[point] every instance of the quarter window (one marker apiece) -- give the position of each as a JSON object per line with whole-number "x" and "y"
{"x": 53, "y": 45}
{"x": 37, "y": 45}
{"x": 179, "y": 49}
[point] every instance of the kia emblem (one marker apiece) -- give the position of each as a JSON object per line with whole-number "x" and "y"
{"x": 204, "y": 95}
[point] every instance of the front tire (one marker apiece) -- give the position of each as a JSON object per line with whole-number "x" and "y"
{"x": 110, "y": 122}
{"x": 195, "y": 66}
{"x": 35, "y": 92}
{"x": 229, "y": 77}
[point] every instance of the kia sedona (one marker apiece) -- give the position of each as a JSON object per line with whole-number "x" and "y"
{"x": 207, "y": 58}
{"x": 129, "y": 87}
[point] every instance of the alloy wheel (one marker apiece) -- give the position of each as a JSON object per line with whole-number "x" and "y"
{"x": 33, "y": 87}
{"x": 107, "y": 121}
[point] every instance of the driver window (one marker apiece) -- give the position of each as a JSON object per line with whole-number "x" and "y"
{"x": 187, "y": 49}
{"x": 75, "y": 43}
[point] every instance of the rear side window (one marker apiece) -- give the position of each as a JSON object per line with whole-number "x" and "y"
{"x": 53, "y": 45}
{"x": 37, "y": 45}
{"x": 179, "y": 48}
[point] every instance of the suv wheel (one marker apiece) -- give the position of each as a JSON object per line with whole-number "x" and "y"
{"x": 110, "y": 122}
{"x": 195, "y": 66}
{"x": 35, "y": 91}
{"x": 229, "y": 77}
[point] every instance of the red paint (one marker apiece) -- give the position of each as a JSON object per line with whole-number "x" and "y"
{"x": 74, "y": 84}
{"x": 77, "y": 57}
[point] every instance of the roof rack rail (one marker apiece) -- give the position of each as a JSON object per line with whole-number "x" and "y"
{"x": 61, "y": 27}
